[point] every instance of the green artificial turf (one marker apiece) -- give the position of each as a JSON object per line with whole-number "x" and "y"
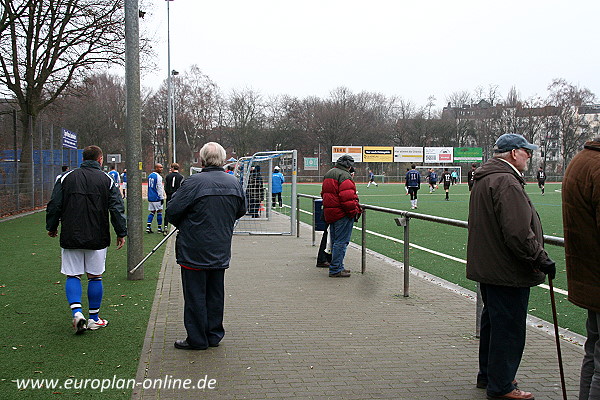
{"x": 36, "y": 332}
{"x": 452, "y": 240}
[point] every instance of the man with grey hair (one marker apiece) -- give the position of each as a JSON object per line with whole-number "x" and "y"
{"x": 505, "y": 254}
{"x": 205, "y": 209}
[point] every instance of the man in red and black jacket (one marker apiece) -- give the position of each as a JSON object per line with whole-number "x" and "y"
{"x": 341, "y": 210}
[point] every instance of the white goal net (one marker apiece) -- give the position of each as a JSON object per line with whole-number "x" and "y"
{"x": 271, "y": 205}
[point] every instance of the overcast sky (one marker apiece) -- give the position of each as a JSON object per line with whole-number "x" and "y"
{"x": 411, "y": 49}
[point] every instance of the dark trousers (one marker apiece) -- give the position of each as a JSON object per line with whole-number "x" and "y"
{"x": 204, "y": 296}
{"x": 589, "y": 385}
{"x": 413, "y": 192}
{"x": 276, "y": 197}
{"x": 322, "y": 256}
{"x": 503, "y": 329}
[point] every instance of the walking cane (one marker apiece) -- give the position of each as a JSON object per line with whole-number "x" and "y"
{"x": 554, "y": 317}
{"x": 153, "y": 250}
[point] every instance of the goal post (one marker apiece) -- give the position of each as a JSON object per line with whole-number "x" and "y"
{"x": 265, "y": 214}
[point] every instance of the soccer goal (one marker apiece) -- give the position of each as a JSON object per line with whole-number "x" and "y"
{"x": 267, "y": 214}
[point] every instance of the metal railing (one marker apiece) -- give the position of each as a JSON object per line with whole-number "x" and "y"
{"x": 404, "y": 221}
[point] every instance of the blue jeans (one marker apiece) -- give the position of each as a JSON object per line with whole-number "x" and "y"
{"x": 341, "y": 231}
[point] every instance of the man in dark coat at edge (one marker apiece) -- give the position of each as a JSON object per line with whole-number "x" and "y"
{"x": 205, "y": 209}
{"x": 581, "y": 216}
{"x": 505, "y": 254}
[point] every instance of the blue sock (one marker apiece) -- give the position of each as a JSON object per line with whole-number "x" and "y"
{"x": 95, "y": 291}
{"x": 159, "y": 219}
{"x": 150, "y": 218}
{"x": 73, "y": 292}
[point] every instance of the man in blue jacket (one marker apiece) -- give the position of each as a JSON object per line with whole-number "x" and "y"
{"x": 81, "y": 202}
{"x": 205, "y": 209}
{"x": 277, "y": 186}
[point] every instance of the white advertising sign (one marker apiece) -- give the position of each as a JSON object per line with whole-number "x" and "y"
{"x": 439, "y": 154}
{"x": 408, "y": 154}
{"x": 354, "y": 151}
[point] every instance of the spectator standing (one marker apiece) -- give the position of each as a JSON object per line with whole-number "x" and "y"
{"x": 172, "y": 183}
{"x": 505, "y": 254}
{"x": 581, "y": 207}
{"x": 277, "y": 186}
{"x": 155, "y": 198}
{"x": 413, "y": 183}
{"x": 470, "y": 176}
{"x": 205, "y": 209}
{"x": 230, "y": 169}
{"x": 81, "y": 203}
{"x": 447, "y": 181}
{"x": 341, "y": 210}
{"x": 371, "y": 179}
{"x": 255, "y": 191}
{"x": 541, "y": 178}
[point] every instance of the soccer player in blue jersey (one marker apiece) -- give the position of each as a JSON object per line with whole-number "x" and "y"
{"x": 432, "y": 178}
{"x": 115, "y": 176}
{"x": 413, "y": 183}
{"x": 155, "y": 198}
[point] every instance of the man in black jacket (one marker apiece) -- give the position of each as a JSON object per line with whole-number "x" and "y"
{"x": 81, "y": 202}
{"x": 205, "y": 209}
{"x": 172, "y": 182}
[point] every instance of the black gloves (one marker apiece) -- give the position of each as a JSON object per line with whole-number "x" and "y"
{"x": 161, "y": 202}
{"x": 549, "y": 268}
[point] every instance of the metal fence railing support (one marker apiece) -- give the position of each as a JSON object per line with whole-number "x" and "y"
{"x": 403, "y": 221}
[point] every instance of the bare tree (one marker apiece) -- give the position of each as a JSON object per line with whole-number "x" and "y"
{"x": 569, "y": 98}
{"x": 246, "y": 119}
{"x": 51, "y": 44}
{"x": 197, "y": 100}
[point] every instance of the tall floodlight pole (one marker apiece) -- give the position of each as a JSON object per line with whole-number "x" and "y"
{"x": 170, "y": 144}
{"x": 173, "y": 73}
{"x": 133, "y": 131}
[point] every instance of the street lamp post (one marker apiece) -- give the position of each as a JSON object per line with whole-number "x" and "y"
{"x": 172, "y": 106}
{"x": 170, "y": 145}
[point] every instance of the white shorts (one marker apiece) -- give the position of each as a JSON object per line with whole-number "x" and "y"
{"x": 80, "y": 261}
{"x": 154, "y": 206}
{"x": 124, "y": 185}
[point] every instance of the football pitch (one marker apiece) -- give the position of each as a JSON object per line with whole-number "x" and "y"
{"x": 452, "y": 241}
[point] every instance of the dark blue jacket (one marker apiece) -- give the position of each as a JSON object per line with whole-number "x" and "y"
{"x": 205, "y": 209}
{"x": 81, "y": 202}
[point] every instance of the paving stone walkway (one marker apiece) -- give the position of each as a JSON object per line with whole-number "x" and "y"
{"x": 293, "y": 332}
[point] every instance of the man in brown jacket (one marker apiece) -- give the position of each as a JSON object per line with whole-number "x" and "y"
{"x": 581, "y": 215}
{"x": 505, "y": 254}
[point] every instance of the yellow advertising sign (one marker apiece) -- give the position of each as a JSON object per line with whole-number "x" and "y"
{"x": 378, "y": 154}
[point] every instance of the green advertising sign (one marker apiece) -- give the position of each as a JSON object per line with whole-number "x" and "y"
{"x": 468, "y": 154}
{"x": 311, "y": 164}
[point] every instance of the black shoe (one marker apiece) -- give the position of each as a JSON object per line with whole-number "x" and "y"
{"x": 323, "y": 265}
{"x": 184, "y": 345}
{"x": 149, "y": 230}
